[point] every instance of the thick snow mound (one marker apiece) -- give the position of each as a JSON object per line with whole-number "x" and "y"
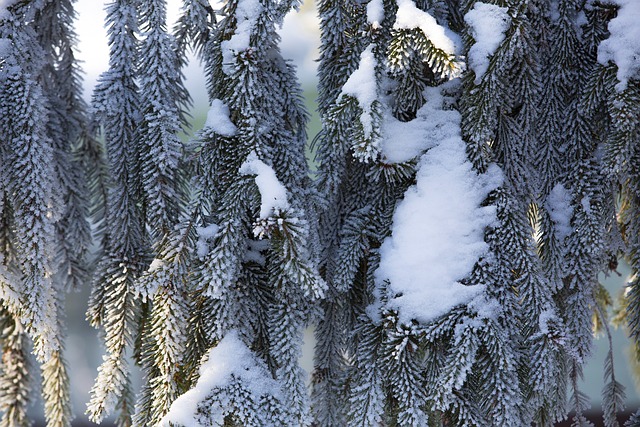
{"x": 623, "y": 45}
{"x": 409, "y": 16}
{"x": 488, "y": 24}
{"x": 375, "y": 12}
{"x": 231, "y": 360}
{"x": 438, "y": 234}
{"x": 404, "y": 141}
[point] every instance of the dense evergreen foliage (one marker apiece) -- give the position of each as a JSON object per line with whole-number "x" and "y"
{"x": 477, "y": 168}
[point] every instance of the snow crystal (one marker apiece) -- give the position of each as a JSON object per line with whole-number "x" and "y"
{"x": 273, "y": 194}
{"x": 403, "y": 141}
{"x": 560, "y": 210}
{"x": 375, "y": 13}
{"x": 218, "y": 119}
{"x": 438, "y": 232}
{"x": 230, "y": 359}
{"x": 409, "y": 17}
{"x": 247, "y": 13}
{"x": 623, "y": 46}
{"x": 488, "y": 24}
{"x": 362, "y": 86}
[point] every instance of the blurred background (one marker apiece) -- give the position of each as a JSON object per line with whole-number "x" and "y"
{"x": 300, "y": 41}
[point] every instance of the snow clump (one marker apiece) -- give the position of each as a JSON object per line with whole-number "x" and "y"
{"x": 375, "y": 13}
{"x": 488, "y": 24}
{"x": 218, "y": 119}
{"x": 409, "y": 16}
{"x": 273, "y": 194}
{"x": 560, "y": 210}
{"x": 623, "y": 45}
{"x": 247, "y": 13}
{"x": 438, "y": 229}
{"x": 229, "y": 362}
{"x": 404, "y": 141}
{"x": 205, "y": 236}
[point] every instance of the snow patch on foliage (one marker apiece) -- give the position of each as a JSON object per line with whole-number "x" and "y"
{"x": 273, "y": 194}
{"x": 362, "y": 86}
{"x": 155, "y": 265}
{"x": 438, "y": 230}
{"x": 229, "y": 361}
{"x": 585, "y": 202}
{"x": 623, "y": 45}
{"x": 409, "y": 16}
{"x": 218, "y": 119}
{"x": 488, "y": 23}
{"x": 404, "y": 141}
{"x": 548, "y": 321}
{"x": 560, "y": 210}
{"x": 247, "y": 13}
{"x": 375, "y": 13}
{"x": 205, "y": 235}
{"x": 485, "y": 307}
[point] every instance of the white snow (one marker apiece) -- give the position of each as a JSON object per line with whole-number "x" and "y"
{"x": 403, "y": 141}
{"x": 409, "y": 16}
{"x": 247, "y": 13}
{"x": 438, "y": 231}
{"x": 230, "y": 360}
{"x": 362, "y": 86}
{"x": 375, "y": 13}
{"x": 273, "y": 194}
{"x": 488, "y": 24}
{"x": 218, "y": 119}
{"x": 205, "y": 234}
{"x": 547, "y": 316}
{"x": 560, "y": 210}
{"x": 586, "y": 204}
{"x": 623, "y": 45}
{"x": 156, "y": 264}
{"x": 485, "y": 307}
{"x": 208, "y": 232}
